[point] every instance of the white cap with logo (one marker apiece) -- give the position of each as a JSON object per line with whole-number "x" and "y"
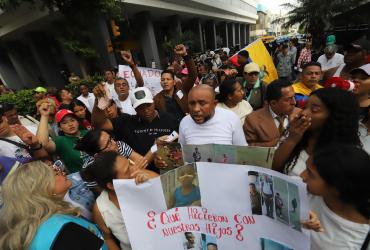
{"x": 140, "y": 96}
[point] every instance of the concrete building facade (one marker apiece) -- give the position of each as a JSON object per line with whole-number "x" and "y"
{"x": 30, "y": 55}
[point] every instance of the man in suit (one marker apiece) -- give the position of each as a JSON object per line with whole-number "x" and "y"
{"x": 265, "y": 126}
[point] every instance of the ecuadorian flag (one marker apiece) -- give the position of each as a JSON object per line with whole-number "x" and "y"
{"x": 259, "y": 54}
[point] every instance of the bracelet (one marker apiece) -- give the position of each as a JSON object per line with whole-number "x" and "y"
{"x": 37, "y": 148}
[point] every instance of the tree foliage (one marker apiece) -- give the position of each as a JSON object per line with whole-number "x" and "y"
{"x": 74, "y": 30}
{"x": 316, "y": 16}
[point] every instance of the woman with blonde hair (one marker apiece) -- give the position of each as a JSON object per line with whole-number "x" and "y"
{"x": 34, "y": 215}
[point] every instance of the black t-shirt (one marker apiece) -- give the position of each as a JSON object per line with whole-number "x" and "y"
{"x": 173, "y": 108}
{"x": 141, "y": 135}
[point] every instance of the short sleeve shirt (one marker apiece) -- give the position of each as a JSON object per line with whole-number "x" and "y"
{"x": 65, "y": 149}
{"x": 141, "y": 135}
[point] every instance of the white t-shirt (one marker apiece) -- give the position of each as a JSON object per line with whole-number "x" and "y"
{"x": 364, "y": 137}
{"x": 339, "y": 234}
{"x": 126, "y": 105}
{"x": 88, "y": 101}
{"x": 300, "y": 165}
{"x": 333, "y": 62}
{"x": 223, "y": 128}
{"x": 242, "y": 109}
{"x": 13, "y": 151}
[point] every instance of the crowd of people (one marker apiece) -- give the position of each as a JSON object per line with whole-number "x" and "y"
{"x": 57, "y": 166}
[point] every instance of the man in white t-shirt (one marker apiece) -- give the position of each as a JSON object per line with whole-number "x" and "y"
{"x": 122, "y": 96}
{"x": 330, "y": 59}
{"x": 18, "y": 145}
{"x": 86, "y": 97}
{"x": 207, "y": 123}
{"x": 109, "y": 81}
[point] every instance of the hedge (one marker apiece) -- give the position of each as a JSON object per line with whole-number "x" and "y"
{"x": 25, "y": 104}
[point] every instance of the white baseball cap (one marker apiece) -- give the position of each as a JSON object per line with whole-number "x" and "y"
{"x": 140, "y": 96}
{"x": 364, "y": 68}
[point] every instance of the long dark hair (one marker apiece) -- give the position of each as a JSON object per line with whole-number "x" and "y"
{"x": 341, "y": 126}
{"x": 102, "y": 170}
{"x": 227, "y": 87}
{"x": 90, "y": 142}
{"x": 77, "y": 102}
{"x": 346, "y": 168}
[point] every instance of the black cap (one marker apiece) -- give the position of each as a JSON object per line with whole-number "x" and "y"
{"x": 361, "y": 44}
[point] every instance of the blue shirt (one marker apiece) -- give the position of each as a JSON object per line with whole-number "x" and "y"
{"x": 186, "y": 200}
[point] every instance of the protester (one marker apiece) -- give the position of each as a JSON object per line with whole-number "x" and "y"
{"x": 330, "y": 59}
{"x": 97, "y": 141}
{"x": 40, "y": 93}
{"x": 36, "y": 189}
{"x": 243, "y": 59}
{"x": 86, "y": 97}
{"x": 310, "y": 77}
{"x": 11, "y": 113}
{"x": 254, "y": 87}
{"x": 82, "y": 113}
{"x": 231, "y": 98}
{"x": 62, "y": 145}
{"x": 112, "y": 111}
{"x": 304, "y": 56}
{"x": 355, "y": 56}
{"x": 361, "y": 78}
{"x": 265, "y": 126}
{"x": 65, "y": 98}
{"x": 284, "y": 63}
{"x": 122, "y": 87}
{"x": 106, "y": 211}
{"x": 52, "y": 125}
{"x": 18, "y": 142}
{"x": 329, "y": 116}
{"x": 173, "y": 98}
{"x": 207, "y": 123}
{"x": 109, "y": 77}
{"x": 337, "y": 175}
{"x": 139, "y": 131}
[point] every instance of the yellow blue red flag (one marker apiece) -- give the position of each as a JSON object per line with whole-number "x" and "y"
{"x": 259, "y": 54}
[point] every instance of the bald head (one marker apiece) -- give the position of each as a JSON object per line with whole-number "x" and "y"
{"x": 202, "y": 103}
{"x": 204, "y": 89}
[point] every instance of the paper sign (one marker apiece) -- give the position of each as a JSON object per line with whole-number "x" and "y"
{"x": 215, "y": 206}
{"x": 152, "y": 77}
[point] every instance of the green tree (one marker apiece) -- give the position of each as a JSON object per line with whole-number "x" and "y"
{"x": 316, "y": 16}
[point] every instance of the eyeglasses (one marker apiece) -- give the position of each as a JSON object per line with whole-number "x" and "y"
{"x": 108, "y": 145}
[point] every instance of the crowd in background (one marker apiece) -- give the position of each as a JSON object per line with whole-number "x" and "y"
{"x": 57, "y": 166}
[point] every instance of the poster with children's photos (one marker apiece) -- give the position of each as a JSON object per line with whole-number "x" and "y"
{"x": 208, "y": 206}
{"x": 229, "y": 154}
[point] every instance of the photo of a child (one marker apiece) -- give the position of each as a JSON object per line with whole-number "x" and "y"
{"x": 181, "y": 187}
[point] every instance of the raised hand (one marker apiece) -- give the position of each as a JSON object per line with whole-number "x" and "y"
{"x": 99, "y": 90}
{"x": 180, "y": 50}
{"x": 126, "y": 55}
{"x": 299, "y": 125}
{"x": 44, "y": 108}
{"x": 25, "y": 135}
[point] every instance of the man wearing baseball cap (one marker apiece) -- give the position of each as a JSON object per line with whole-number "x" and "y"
{"x": 254, "y": 87}
{"x": 361, "y": 78}
{"x": 141, "y": 130}
{"x": 355, "y": 56}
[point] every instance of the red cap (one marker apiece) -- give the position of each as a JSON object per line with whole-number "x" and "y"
{"x": 62, "y": 113}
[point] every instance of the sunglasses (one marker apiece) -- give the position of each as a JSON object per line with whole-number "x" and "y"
{"x": 58, "y": 167}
